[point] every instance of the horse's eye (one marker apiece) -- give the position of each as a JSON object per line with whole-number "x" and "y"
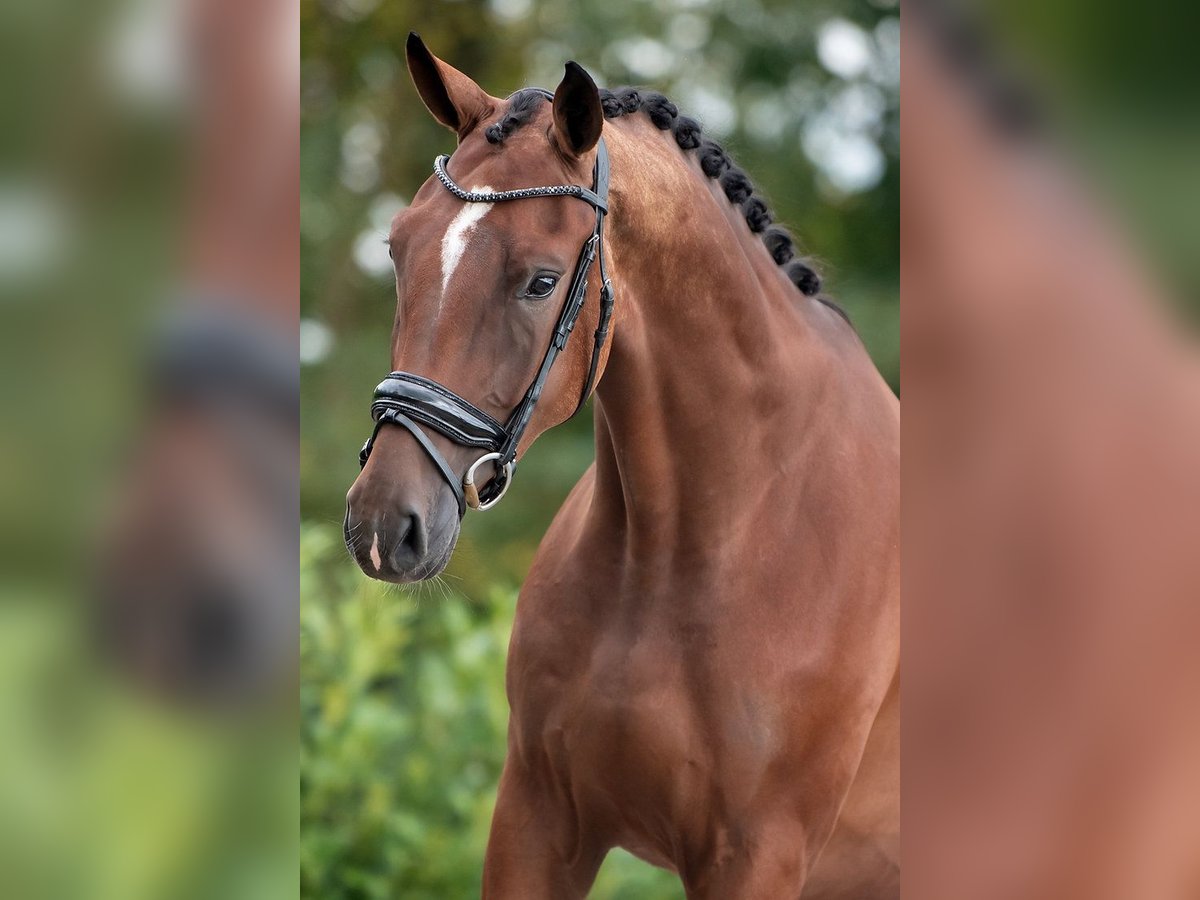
{"x": 542, "y": 286}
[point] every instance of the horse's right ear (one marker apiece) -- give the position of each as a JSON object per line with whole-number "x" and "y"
{"x": 454, "y": 99}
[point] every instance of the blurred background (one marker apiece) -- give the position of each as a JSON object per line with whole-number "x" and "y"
{"x": 148, "y": 381}
{"x": 402, "y": 697}
{"x": 1050, "y": 282}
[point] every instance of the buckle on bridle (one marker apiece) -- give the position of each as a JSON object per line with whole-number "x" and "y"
{"x": 471, "y": 492}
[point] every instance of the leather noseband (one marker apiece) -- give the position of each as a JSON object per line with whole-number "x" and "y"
{"x": 414, "y": 402}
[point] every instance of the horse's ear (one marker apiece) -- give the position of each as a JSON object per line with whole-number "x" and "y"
{"x": 578, "y": 116}
{"x": 454, "y": 99}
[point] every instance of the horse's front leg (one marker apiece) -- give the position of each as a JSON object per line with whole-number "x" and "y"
{"x": 535, "y": 850}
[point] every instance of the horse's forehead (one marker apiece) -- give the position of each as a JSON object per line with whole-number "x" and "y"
{"x": 525, "y": 158}
{"x": 442, "y": 238}
{"x": 439, "y": 215}
{"x": 435, "y": 207}
{"x": 479, "y": 166}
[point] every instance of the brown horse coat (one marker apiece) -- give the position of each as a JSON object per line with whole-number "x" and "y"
{"x": 703, "y": 667}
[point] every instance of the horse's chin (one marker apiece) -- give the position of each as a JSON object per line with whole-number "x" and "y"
{"x": 426, "y": 570}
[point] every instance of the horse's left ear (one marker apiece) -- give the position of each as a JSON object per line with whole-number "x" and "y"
{"x": 578, "y": 116}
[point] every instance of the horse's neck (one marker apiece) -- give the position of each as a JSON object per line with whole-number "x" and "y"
{"x": 715, "y": 386}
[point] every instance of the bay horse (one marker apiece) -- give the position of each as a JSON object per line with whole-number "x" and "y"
{"x": 703, "y": 666}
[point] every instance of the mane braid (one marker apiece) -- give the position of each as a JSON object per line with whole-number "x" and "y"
{"x": 521, "y": 107}
{"x": 714, "y": 162}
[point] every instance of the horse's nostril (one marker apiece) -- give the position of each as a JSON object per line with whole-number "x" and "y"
{"x": 413, "y": 541}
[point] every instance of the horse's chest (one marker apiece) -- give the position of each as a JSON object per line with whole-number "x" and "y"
{"x": 606, "y": 692}
{"x": 637, "y": 728}
{"x": 630, "y": 753}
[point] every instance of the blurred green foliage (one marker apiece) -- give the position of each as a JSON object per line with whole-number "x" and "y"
{"x": 108, "y": 794}
{"x": 403, "y": 735}
{"x": 402, "y": 703}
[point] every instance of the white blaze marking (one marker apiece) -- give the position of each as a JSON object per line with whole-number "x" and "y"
{"x": 375, "y": 561}
{"x": 454, "y": 244}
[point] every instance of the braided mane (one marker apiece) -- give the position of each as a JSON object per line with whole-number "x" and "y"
{"x": 714, "y": 162}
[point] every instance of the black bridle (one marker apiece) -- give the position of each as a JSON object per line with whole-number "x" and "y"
{"x": 411, "y": 401}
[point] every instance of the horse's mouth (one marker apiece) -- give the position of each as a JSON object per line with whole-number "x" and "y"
{"x": 382, "y": 567}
